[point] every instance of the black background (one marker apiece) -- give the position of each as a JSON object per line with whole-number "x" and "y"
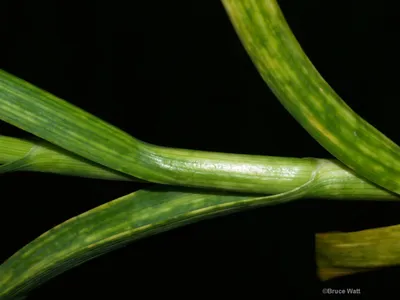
{"x": 174, "y": 73}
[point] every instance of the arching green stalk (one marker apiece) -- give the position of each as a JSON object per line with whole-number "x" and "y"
{"x": 284, "y": 66}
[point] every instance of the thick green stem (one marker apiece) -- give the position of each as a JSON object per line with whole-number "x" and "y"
{"x": 280, "y": 175}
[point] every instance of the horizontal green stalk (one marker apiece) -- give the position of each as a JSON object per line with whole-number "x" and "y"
{"x": 297, "y": 84}
{"x": 344, "y": 253}
{"x": 333, "y": 180}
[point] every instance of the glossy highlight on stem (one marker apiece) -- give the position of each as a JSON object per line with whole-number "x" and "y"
{"x": 333, "y": 180}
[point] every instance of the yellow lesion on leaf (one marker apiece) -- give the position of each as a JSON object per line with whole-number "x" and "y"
{"x": 322, "y": 130}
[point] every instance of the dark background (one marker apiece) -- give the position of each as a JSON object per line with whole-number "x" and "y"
{"x": 174, "y": 73}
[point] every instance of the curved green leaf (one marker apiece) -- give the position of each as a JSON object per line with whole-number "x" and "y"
{"x": 289, "y": 73}
{"x": 116, "y": 223}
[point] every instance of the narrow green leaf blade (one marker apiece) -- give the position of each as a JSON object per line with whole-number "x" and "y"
{"x": 114, "y": 224}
